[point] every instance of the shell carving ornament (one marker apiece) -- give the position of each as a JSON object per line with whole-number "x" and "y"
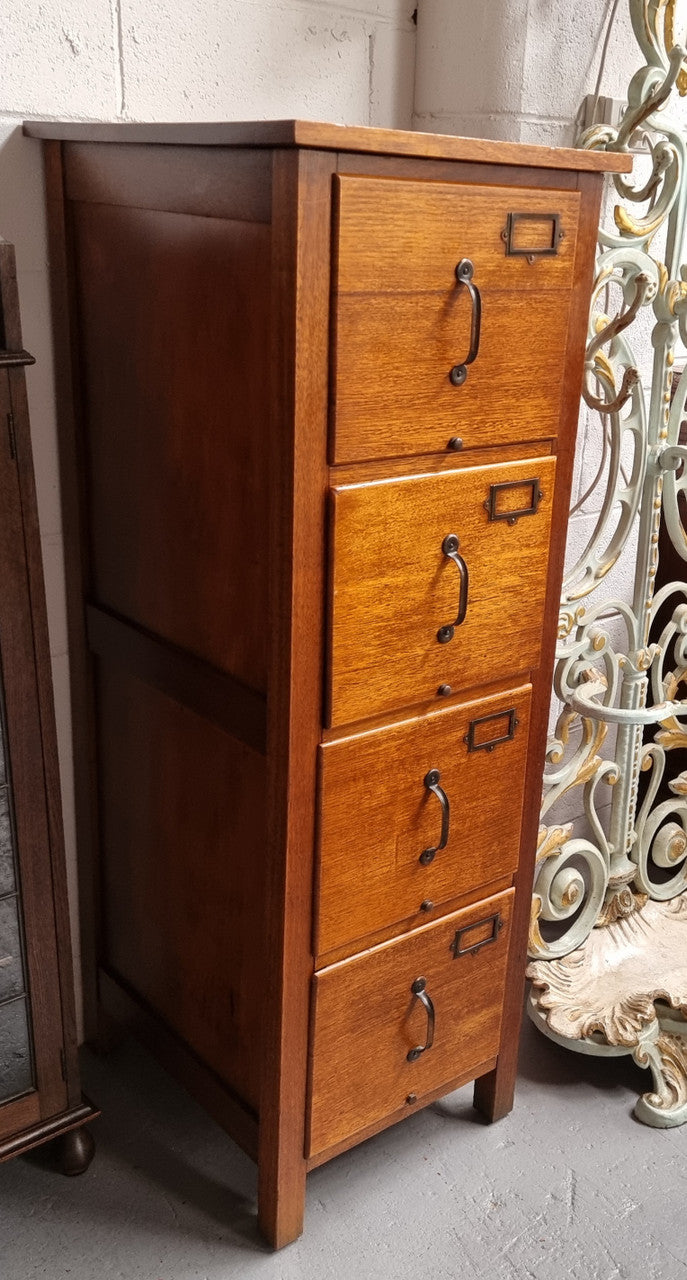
{"x": 608, "y": 937}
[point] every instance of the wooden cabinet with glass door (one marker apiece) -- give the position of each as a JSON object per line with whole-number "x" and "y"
{"x": 40, "y": 1096}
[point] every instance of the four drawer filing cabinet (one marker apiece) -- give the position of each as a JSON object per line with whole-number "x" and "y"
{"x": 319, "y": 390}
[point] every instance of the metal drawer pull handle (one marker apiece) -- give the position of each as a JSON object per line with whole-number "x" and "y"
{"x": 450, "y": 547}
{"x": 464, "y": 274}
{"x": 418, "y": 989}
{"x": 431, "y": 781}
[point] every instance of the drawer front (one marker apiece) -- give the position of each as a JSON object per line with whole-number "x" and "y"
{"x": 368, "y": 1019}
{"x": 396, "y": 594}
{"x": 377, "y": 870}
{"x": 403, "y": 321}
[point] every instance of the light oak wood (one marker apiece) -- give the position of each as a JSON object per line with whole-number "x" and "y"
{"x": 324, "y": 136}
{"x": 494, "y": 1092}
{"x": 300, "y": 259}
{"x": 402, "y": 320}
{"x": 392, "y": 393}
{"x": 205, "y": 335}
{"x": 407, "y": 237}
{"x": 393, "y": 587}
{"x": 364, "y": 1012}
{"x": 370, "y": 875}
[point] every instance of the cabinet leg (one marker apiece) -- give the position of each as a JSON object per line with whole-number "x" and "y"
{"x": 75, "y": 1150}
{"x": 281, "y": 1207}
{"x": 494, "y": 1092}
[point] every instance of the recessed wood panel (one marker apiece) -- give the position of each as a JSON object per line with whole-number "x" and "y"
{"x": 174, "y": 318}
{"x": 182, "y": 809}
{"x": 402, "y": 321}
{"x": 394, "y": 588}
{"x": 366, "y": 1019}
{"x": 378, "y": 816}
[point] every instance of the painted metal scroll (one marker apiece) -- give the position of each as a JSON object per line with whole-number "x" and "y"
{"x": 609, "y": 922}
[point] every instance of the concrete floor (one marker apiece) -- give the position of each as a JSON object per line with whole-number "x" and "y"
{"x": 568, "y": 1187}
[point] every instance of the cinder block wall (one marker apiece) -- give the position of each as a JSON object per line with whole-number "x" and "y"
{"x": 353, "y": 63}
{"x": 510, "y": 69}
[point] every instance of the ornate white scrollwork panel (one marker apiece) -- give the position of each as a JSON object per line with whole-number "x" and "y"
{"x": 609, "y": 913}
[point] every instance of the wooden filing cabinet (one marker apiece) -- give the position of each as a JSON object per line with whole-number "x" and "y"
{"x": 319, "y": 396}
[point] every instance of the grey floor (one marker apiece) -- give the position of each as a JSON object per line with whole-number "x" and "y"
{"x": 568, "y": 1187}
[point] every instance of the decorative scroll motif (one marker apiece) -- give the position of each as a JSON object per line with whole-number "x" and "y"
{"x": 621, "y": 666}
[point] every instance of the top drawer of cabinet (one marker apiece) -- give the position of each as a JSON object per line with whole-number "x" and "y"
{"x": 451, "y": 308}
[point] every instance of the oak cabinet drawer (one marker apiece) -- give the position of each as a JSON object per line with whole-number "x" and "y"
{"x": 389, "y": 842}
{"x": 403, "y": 320}
{"x": 399, "y": 586}
{"x": 371, "y": 1015}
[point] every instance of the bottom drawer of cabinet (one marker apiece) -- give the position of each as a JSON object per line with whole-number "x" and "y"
{"x": 405, "y": 1018}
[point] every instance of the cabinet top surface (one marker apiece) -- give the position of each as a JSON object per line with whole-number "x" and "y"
{"x": 310, "y": 133}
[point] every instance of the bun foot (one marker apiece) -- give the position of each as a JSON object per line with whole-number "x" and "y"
{"x": 75, "y": 1150}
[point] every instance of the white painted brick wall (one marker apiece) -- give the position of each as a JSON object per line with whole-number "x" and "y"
{"x": 352, "y": 63}
{"x": 504, "y": 69}
{"x": 518, "y": 71}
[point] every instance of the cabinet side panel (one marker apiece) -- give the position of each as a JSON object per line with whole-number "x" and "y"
{"x": 173, "y": 315}
{"x": 182, "y": 809}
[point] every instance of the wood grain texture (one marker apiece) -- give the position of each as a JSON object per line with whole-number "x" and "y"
{"x": 364, "y": 1013}
{"x": 402, "y": 321}
{"x": 182, "y": 809}
{"x": 494, "y": 1091}
{"x": 392, "y": 1117}
{"x": 370, "y": 875}
{"x": 16, "y": 1116}
{"x": 428, "y": 463}
{"x": 392, "y": 393}
{"x": 393, "y": 588}
{"x": 407, "y": 237}
{"x": 212, "y": 694}
{"x": 311, "y": 133}
{"x": 192, "y": 180}
{"x": 174, "y": 317}
{"x": 298, "y": 484}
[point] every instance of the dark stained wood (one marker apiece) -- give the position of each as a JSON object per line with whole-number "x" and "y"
{"x": 129, "y": 1012}
{"x": 364, "y": 1011}
{"x": 34, "y": 818}
{"x": 370, "y": 874}
{"x": 173, "y": 312}
{"x": 214, "y": 695}
{"x": 182, "y": 815}
{"x": 311, "y": 133}
{"x": 77, "y": 569}
{"x": 25, "y": 761}
{"x": 18, "y": 1115}
{"x": 192, "y": 180}
{"x": 494, "y": 1091}
{"x": 393, "y": 587}
{"x": 34, "y": 1135}
{"x": 301, "y": 267}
